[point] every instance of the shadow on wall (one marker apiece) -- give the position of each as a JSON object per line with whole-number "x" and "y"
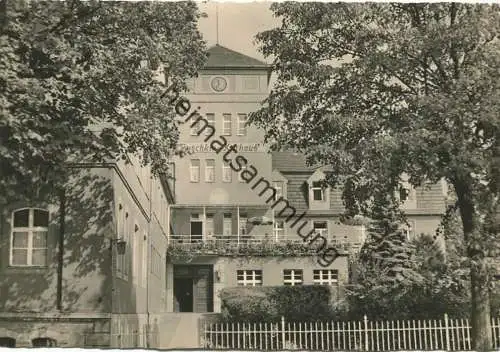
{"x": 86, "y": 284}
{"x": 304, "y": 189}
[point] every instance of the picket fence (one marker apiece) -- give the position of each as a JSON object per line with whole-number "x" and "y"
{"x": 445, "y": 334}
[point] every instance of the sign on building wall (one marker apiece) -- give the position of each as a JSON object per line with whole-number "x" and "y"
{"x": 240, "y": 147}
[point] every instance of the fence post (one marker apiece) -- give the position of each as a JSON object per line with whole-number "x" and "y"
{"x": 283, "y": 331}
{"x": 447, "y": 332}
{"x": 365, "y": 318}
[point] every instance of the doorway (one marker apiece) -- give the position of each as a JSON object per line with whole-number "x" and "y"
{"x": 193, "y": 288}
{"x": 196, "y": 230}
{"x": 183, "y": 294}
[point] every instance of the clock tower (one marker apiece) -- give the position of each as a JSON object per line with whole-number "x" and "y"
{"x": 213, "y": 203}
{"x": 226, "y": 91}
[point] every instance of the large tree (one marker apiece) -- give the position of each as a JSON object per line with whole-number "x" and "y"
{"x": 78, "y": 82}
{"x": 379, "y": 90}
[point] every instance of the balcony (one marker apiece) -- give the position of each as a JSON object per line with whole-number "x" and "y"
{"x": 187, "y": 246}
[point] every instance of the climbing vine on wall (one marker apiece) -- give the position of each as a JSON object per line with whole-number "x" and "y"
{"x": 187, "y": 251}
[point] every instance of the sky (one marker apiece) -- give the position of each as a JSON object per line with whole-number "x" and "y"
{"x": 238, "y": 25}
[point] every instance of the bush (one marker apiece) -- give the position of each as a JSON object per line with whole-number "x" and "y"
{"x": 295, "y": 303}
{"x": 247, "y": 304}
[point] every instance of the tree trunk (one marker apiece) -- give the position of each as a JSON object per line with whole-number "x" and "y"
{"x": 480, "y": 314}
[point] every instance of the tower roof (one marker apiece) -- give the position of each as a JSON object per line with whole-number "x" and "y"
{"x": 222, "y": 57}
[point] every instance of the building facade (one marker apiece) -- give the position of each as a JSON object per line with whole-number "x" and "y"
{"x": 226, "y": 205}
{"x": 86, "y": 268}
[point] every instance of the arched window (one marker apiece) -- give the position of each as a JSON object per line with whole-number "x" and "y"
{"x": 7, "y": 342}
{"x": 44, "y": 342}
{"x": 28, "y": 243}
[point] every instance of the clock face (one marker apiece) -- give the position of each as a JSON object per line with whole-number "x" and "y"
{"x": 218, "y": 84}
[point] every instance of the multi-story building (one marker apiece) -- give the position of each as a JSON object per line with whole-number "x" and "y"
{"x": 86, "y": 268}
{"x": 225, "y": 201}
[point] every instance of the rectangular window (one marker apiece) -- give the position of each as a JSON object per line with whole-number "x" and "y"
{"x": 279, "y": 230}
{"x": 30, "y": 229}
{"x": 120, "y": 228}
{"x": 156, "y": 262}
{"x": 320, "y": 227}
{"x": 404, "y": 193}
{"x": 196, "y": 127}
{"x": 152, "y": 264}
{"x": 409, "y": 230}
{"x": 43, "y": 342}
{"x": 278, "y": 186}
{"x": 325, "y": 277}
{"x": 292, "y": 277}
{"x": 243, "y": 225}
{"x": 317, "y": 191}
{"x": 226, "y": 124}
{"x": 242, "y": 124}
{"x": 211, "y": 122}
{"x": 243, "y": 168}
{"x": 210, "y": 170}
{"x": 249, "y": 277}
{"x": 194, "y": 170}
{"x": 209, "y": 225}
{"x": 124, "y": 258}
{"x": 135, "y": 256}
{"x": 144, "y": 260}
{"x": 227, "y": 224}
{"x": 227, "y": 173}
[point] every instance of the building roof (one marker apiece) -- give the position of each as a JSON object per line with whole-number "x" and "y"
{"x": 291, "y": 162}
{"x": 294, "y": 168}
{"x": 222, "y": 57}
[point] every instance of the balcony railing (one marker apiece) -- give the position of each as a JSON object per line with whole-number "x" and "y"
{"x": 229, "y": 239}
{"x": 235, "y": 240}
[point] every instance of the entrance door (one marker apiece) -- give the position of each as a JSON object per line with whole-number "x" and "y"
{"x": 183, "y": 293}
{"x": 196, "y": 231}
{"x": 203, "y": 288}
{"x": 193, "y": 288}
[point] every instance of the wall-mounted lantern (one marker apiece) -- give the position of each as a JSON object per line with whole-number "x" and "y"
{"x": 121, "y": 245}
{"x": 217, "y": 276}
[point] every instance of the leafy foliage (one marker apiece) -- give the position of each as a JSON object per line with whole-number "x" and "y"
{"x": 437, "y": 291}
{"x": 189, "y": 251}
{"x": 79, "y": 83}
{"x": 378, "y": 90}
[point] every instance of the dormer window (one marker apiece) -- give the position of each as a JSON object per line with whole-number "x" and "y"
{"x": 317, "y": 191}
{"x": 404, "y": 194}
